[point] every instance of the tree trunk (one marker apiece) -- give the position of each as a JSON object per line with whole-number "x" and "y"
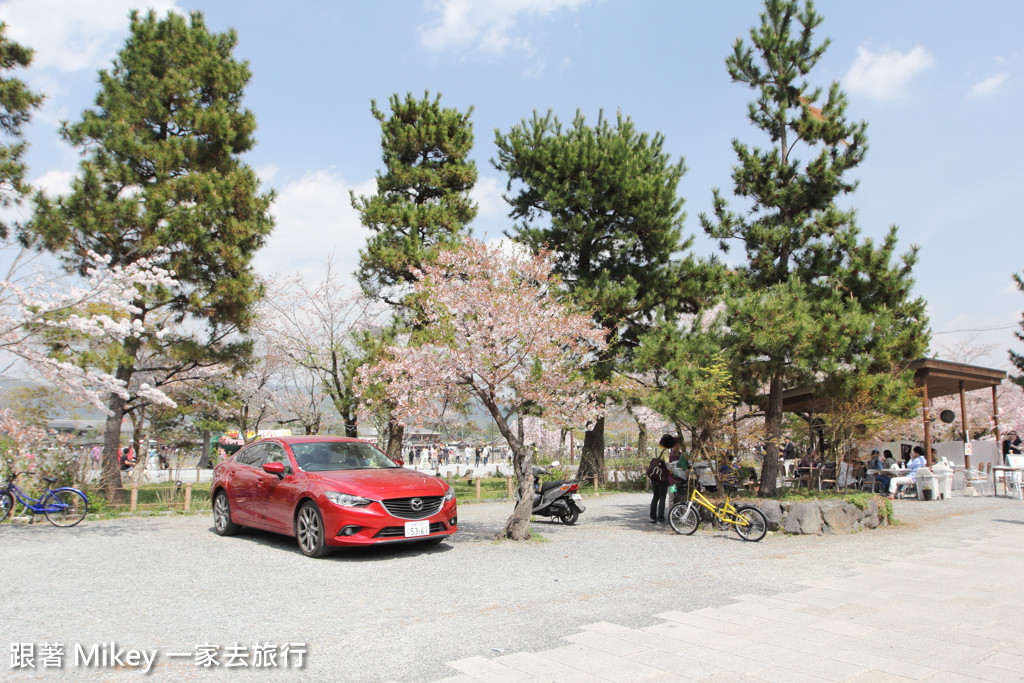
{"x": 351, "y": 426}
{"x": 641, "y": 442}
{"x": 396, "y": 432}
{"x": 773, "y": 427}
{"x": 204, "y": 457}
{"x": 517, "y": 528}
{"x": 110, "y": 474}
{"x": 592, "y": 457}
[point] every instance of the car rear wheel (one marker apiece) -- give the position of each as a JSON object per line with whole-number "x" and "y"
{"x": 222, "y": 523}
{"x": 309, "y": 530}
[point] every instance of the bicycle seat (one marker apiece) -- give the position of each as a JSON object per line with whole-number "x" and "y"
{"x": 49, "y": 480}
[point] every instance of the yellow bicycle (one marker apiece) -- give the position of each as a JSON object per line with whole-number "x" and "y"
{"x": 748, "y": 521}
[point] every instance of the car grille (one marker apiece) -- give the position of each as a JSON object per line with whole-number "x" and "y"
{"x": 403, "y": 507}
{"x": 399, "y": 531}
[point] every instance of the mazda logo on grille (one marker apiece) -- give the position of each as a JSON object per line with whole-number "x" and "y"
{"x": 416, "y": 504}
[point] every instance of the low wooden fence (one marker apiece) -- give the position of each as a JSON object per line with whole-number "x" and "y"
{"x": 177, "y": 495}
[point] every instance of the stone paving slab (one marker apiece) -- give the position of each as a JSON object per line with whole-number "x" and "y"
{"x": 956, "y": 615}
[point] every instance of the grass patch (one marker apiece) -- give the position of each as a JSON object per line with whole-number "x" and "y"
{"x": 155, "y": 498}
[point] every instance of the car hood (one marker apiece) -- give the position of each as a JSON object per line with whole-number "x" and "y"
{"x": 395, "y": 482}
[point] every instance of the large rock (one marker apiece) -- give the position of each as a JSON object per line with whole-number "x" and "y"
{"x": 804, "y": 518}
{"x": 840, "y": 516}
{"x": 772, "y": 510}
{"x": 871, "y": 518}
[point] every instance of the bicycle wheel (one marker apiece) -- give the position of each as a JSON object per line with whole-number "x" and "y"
{"x": 684, "y": 518}
{"x": 757, "y": 525}
{"x": 6, "y": 505}
{"x": 65, "y": 507}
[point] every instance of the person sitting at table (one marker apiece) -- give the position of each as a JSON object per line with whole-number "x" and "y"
{"x": 804, "y": 469}
{"x": 888, "y": 458}
{"x": 878, "y": 463}
{"x": 729, "y": 474}
{"x": 911, "y": 478}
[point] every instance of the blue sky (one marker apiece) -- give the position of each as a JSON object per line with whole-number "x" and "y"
{"x": 939, "y": 83}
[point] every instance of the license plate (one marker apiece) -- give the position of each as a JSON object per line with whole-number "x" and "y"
{"x": 417, "y": 529}
{"x": 577, "y": 496}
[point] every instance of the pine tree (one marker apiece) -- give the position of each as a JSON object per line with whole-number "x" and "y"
{"x": 813, "y": 301}
{"x": 1016, "y": 358}
{"x": 16, "y": 105}
{"x": 422, "y": 205}
{"x": 161, "y": 177}
{"x": 603, "y": 199}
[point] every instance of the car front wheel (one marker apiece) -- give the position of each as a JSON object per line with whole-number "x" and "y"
{"x": 309, "y": 530}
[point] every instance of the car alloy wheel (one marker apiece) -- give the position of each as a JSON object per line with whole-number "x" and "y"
{"x": 309, "y": 530}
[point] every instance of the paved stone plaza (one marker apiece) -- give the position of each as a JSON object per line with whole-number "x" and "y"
{"x": 956, "y": 614}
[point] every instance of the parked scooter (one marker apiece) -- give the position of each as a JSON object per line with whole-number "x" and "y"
{"x": 558, "y": 499}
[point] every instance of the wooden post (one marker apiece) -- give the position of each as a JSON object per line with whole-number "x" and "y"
{"x": 508, "y": 487}
{"x": 927, "y": 425}
{"x": 134, "y": 499}
{"x": 478, "y": 488}
{"x": 963, "y": 422}
{"x": 999, "y": 441}
{"x": 188, "y": 497}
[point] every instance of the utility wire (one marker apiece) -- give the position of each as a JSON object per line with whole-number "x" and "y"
{"x": 980, "y": 329}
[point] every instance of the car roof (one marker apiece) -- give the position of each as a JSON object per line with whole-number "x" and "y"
{"x": 312, "y": 439}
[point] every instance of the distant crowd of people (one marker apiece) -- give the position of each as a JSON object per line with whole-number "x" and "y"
{"x": 436, "y": 455}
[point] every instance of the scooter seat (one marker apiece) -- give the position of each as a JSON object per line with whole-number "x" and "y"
{"x": 548, "y": 485}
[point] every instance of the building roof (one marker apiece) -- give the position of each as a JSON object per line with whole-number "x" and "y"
{"x": 941, "y": 377}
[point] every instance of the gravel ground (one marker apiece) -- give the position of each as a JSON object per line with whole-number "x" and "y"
{"x": 400, "y": 612}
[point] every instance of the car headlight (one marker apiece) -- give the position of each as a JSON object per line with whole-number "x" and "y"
{"x": 449, "y": 494}
{"x": 346, "y": 500}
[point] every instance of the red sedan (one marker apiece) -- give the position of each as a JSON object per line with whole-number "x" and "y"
{"x": 329, "y": 491}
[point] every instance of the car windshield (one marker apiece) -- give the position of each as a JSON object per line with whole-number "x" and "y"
{"x": 339, "y": 455}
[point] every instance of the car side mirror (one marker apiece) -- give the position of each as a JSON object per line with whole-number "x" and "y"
{"x": 277, "y": 468}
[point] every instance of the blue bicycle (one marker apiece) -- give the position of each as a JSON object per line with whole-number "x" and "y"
{"x": 63, "y": 506}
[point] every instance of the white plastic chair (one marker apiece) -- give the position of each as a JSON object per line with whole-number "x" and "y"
{"x": 979, "y": 481}
{"x": 1015, "y": 480}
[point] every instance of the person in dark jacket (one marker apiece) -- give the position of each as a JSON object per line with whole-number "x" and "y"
{"x": 660, "y": 473}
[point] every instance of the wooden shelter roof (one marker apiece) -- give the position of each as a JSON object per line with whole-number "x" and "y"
{"x": 941, "y": 377}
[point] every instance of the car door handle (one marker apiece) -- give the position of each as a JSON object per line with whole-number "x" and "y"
{"x": 259, "y": 483}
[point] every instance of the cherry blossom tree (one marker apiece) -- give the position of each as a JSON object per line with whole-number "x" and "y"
{"x": 300, "y": 399}
{"x": 34, "y": 311}
{"x": 498, "y": 335}
{"x": 316, "y": 326}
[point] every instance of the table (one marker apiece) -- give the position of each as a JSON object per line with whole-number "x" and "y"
{"x": 890, "y": 473}
{"x": 1006, "y": 470}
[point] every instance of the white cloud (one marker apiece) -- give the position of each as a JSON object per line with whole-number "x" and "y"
{"x": 884, "y": 75}
{"x": 990, "y": 86}
{"x": 490, "y": 25}
{"x": 54, "y": 182}
{"x": 314, "y": 216}
{"x": 70, "y": 36}
{"x": 487, "y": 193}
